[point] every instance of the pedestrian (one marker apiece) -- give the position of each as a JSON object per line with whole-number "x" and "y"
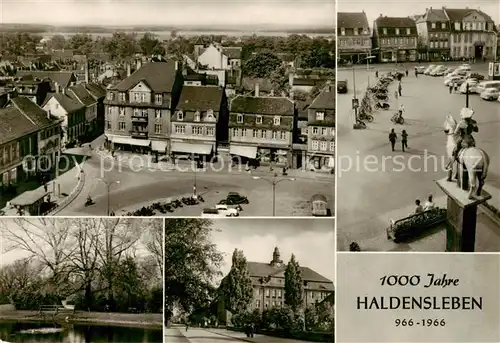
{"x": 400, "y": 88}
{"x": 396, "y": 94}
{"x": 456, "y": 87}
{"x": 418, "y": 207}
{"x": 376, "y": 74}
{"x": 406, "y": 72}
{"x": 416, "y": 72}
{"x": 45, "y": 187}
{"x": 404, "y": 140}
{"x": 392, "y": 139}
{"x": 429, "y": 204}
{"x": 451, "y": 87}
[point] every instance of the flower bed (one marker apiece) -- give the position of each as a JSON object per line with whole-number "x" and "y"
{"x": 415, "y": 225}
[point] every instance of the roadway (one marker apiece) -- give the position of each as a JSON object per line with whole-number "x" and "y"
{"x": 141, "y": 188}
{"x": 372, "y": 187}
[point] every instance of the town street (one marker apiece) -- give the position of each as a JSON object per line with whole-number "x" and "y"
{"x": 197, "y": 335}
{"x": 141, "y": 188}
{"x": 371, "y": 187}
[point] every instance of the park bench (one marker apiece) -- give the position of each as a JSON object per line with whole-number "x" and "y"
{"x": 55, "y": 310}
{"x": 415, "y": 225}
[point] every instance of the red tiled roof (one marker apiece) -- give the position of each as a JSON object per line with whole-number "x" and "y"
{"x": 200, "y": 98}
{"x": 401, "y": 22}
{"x": 457, "y": 14}
{"x": 160, "y": 76}
{"x": 352, "y": 20}
{"x": 262, "y": 105}
{"x": 325, "y": 99}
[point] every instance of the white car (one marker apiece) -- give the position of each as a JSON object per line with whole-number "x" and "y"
{"x": 227, "y": 211}
{"x": 433, "y": 70}
{"x": 216, "y": 213}
{"x": 490, "y": 94}
{"x": 438, "y": 71}
{"x": 454, "y": 79}
{"x": 483, "y": 85}
{"x": 472, "y": 86}
{"x": 429, "y": 69}
{"x": 420, "y": 70}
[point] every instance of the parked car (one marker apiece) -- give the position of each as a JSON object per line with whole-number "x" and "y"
{"x": 449, "y": 70}
{"x": 342, "y": 86}
{"x": 490, "y": 94}
{"x": 319, "y": 205}
{"x": 212, "y": 213}
{"x": 234, "y": 198}
{"x": 438, "y": 71}
{"x": 487, "y": 84}
{"x": 465, "y": 67}
{"x": 227, "y": 211}
{"x": 472, "y": 86}
{"x": 454, "y": 79}
{"x": 429, "y": 68}
{"x": 420, "y": 70}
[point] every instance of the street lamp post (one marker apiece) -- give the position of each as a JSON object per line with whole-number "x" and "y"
{"x": 273, "y": 182}
{"x": 466, "y": 94}
{"x": 367, "y": 58}
{"x": 108, "y": 186}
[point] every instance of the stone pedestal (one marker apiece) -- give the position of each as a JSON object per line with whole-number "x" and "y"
{"x": 461, "y": 217}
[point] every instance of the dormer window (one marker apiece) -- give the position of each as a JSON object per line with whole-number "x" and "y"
{"x": 210, "y": 115}
{"x": 433, "y": 25}
{"x": 158, "y": 99}
{"x": 258, "y": 120}
{"x": 180, "y": 116}
{"x": 320, "y": 115}
{"x": 355, "y": 31}
{"x": 408, "y": 31}
{"x": 397, "y": 30}
{"x": 342, "y": 31}
{"x": 384, "y": 31}
{"x": 239, "y": 118}
{"x": 122, "y": 96}
{"x": 197, "y": 116}
{"x": 122, "y": 111}
{"x": 443, "y": 26}
{"x": 276, "y": 120}
{"x": 111, "y": 96}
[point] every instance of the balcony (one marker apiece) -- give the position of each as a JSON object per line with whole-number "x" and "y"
{"x": 139, "y": 134}
{"x": 139, "y": 119}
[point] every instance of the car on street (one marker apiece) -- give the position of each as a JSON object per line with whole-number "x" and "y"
{"x": 487, "y": 84}
{"x": 454, "y": 79}
{"x": 449, "y": 71}
{"x": 234, "y": 198}
{"x": 227, "y": 211}
{"x": 433, "y": 69}
{"x": 490, "y": 94}
{"x": 420, "y": 70}
{"x": 342, "y": 86}
{"x": 438, "y": 71}
{"x": 429, "y": 69}
{"x": 465, "y": 67}
{"x": 472, "y": 86}
{"x": 212, "y": 213}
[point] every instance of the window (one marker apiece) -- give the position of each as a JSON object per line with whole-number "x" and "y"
{"x": 283, "y": 134}
{"x": 198, "y": 130}
{"x": 457, "y": 26}
{"x": 122, "y": 112}
{"x": 158, "y": 99}
{"x": 111, "y": 96}
{"x": 332, "y": 146}
{"x": 332, "y": 131}
{"x": 279, "y": 293}
{"x": 255, "y": 133}
{"x": 315, "y": 131}
{"x": 239, "y": 118}
{"x": 197, "y": 116}
{"x": 342, "y": 31}
{"x": 275, "y": 134}
{"x": 110, "y": 111}
{"x": 314, "y": 145}
{"x": 274, "y": 294}
{"x": 121, "y": 126}
{"x": 323, "y": 131}
{"x": 443, "y": 26}
{"x": 143, "y": 97}
{"x": 384, "y": 31}
{"x": 433, "y": 25}
{"x": 268, "y": 292}
{"x": 180, "y": 129}
{"x": 180, "y": 116}
{"x": 157, "y": 128}
{"x": 264, "y": 133}
{"x": 408, "y": 31}
{"x": 324, "y": 146}
{"x": 267, "y": 304}
{"x": 157, "y": 114}
{"x": 108, "y": 125}
{"x": 446, "y": 44}
{"x": 276, "y": 120}
{"x": 235, "y": 132}
{"x": 243, "y": 132}
{"x": 210, "y": 131}
{"x": 397, "y": 30}
{"x": 145, "y": 113}
{"x": 355, "y": 31}
{"x": 122, "y": 96}
{"x": 258, "y": 120}
{"x": 320, "y": 115}
{"x": 257, "y": 303}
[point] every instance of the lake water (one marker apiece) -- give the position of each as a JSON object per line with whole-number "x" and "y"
{"x": 25, "y": 332}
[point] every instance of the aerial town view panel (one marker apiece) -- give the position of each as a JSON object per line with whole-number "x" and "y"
{"x": 164, "y": 110}
{"x": 418, "y": 121}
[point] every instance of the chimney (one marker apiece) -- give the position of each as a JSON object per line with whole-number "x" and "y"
{"x": 48, "y": 114}
{"x": 430, "y": 8}
{"x": 128, "y": 69}
{"x": 56, "y": 85}
{"x": 257, "y": 93}
{"x": 87, "y": 77}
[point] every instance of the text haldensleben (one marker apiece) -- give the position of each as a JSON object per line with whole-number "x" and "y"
{"x": 419, "y": 303}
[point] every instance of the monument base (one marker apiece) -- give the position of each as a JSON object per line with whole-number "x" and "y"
{"x": 461, "y": 216}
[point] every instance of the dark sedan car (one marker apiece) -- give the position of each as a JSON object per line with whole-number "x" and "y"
{"x": 234, "y": 198}
{"x": 342, "y": 86}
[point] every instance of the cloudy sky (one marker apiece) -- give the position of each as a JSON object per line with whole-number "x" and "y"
{"x": 169, "y": 12}
{"x": 311, "y": 240}
{"x": 398, "y": 8}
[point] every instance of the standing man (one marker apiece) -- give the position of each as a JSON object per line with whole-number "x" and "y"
{"x": 376, "y": 74}
{"x": 392, "y": 139}
{"x": 416, "y": 72}
{"x": 400, "y": 88}
{"x": 406, "y": 72}
{"x": 404, "y": 140}
{"x": 451, "y": 87}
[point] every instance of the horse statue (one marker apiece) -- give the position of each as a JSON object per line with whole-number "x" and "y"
{"x": 476, "y": 161}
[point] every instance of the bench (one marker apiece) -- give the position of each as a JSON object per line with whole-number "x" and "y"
{"x": 415, "y": 225}
{"x": 55, "y": 310}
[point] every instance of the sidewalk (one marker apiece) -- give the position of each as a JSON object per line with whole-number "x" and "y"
{"x": 243, "y": 337}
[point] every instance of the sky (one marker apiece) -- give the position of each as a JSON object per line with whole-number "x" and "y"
{"x": 169, "y": 12}
{"x": 311, "y": 240}
{"x": 398, "y": 8}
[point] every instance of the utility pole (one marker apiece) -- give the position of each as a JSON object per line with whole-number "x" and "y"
{"x": 466, "y": 94}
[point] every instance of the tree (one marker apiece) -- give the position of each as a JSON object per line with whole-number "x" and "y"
{"x": 261, "y": 65}
{"x": 279, "y": 79}
{"x": 148, "y": 43}
{"x": 191, "y": 264}
{"x": 153, "y": 240}
{"x": 57, "y": 42}
{"x": 294, "y": 288}
{"x": 81, "y": 42}
{"x": 237, "y": 286}
{"x": 121, "y": 45}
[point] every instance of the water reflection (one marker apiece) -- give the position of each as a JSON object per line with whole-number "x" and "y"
{"x": 33, "y": 332}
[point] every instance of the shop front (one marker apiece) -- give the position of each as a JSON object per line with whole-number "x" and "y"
{"x": 243, "y": 154}
{"x": 321, "y": 162}
{"x": 123, "y": 143}
{"x": 274, "y": 156}
{"x": 199, "y": 151}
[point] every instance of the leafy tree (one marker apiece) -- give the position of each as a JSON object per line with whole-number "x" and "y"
{"x": 261, "y": 65}
{"x": 279, "y": 79}
{"x": 191, "y": 264}
{"x": 294, "y": 288}
{"x": 148, "y": 43}
{"x": 81, "y": 42}
{"x": 57, "y": 42}
{"x": 122, "y": 45}
{"x": 237, "y": 286}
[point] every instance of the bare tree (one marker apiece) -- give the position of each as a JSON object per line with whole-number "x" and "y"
{"x": 153, "y": 240}
{"x": 16, "y": 277}
{"x": 47, "y": 240}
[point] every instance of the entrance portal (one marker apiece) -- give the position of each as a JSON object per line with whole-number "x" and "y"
{"x": 478, "y": 51}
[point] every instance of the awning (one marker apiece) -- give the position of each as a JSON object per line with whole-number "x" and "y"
{"x": 192, "y": 148}
{"x": 159, "y": 146}
{"x": 242, "y": 150}
{"x": 29, "y": 197}
{"x": 130, "y": 141}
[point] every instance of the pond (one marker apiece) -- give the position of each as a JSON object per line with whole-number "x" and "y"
{"x": 32, "y": 332}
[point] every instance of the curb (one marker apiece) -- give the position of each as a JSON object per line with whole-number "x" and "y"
{"x": 232, "y": 337}
{"x": 72, "y": 196}
{"x": 488, "y": 210}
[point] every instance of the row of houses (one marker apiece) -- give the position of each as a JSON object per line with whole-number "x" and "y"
{"x": 155, "y": 110}
{"x": 438, "y": 34}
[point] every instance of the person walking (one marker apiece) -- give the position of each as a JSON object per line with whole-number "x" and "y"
{"x": 451, "y": 87}
{"x": 404, "y": 140}
{"x": 406, "y": 72}
{"x": 400, "y": 88}
{"x": 416, "y": 72}
{"x": 376, "y": 74}
{"x": 455, "y": 84}
{"x": 392, "y": 139}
